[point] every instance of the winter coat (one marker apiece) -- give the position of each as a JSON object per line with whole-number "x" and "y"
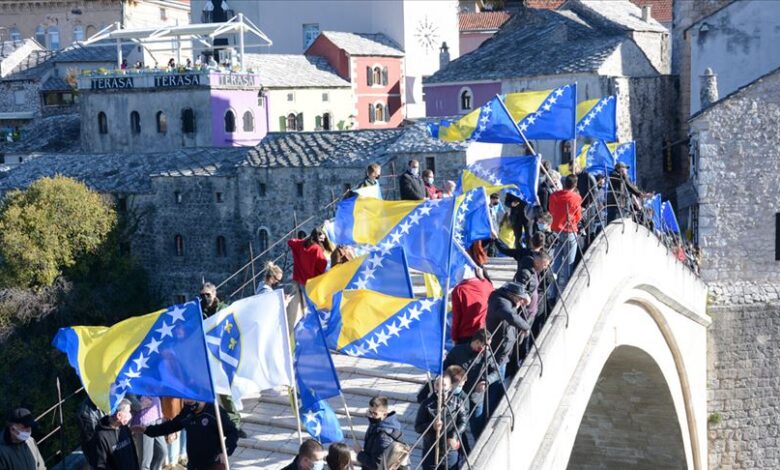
{"x": 566, "y": 210}
{"x": 19, "y": 456}
{"x": 456, "y": 419}
{"x": 469, "y": 307}
{"x": 379, "y": 437}
{"x": 500, "y": 310}
{"x": 474, "y": 363}
{"x": 203, "y": 447}
{"x": 527, "y": 277}
{"x": 620, "y": 188}
{"x": 114, "y": 448}
{"x": 412, "y": 187}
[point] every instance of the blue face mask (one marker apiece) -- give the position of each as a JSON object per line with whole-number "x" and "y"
{"x": 318, "y": 465}
{"x": 457, "y": 390}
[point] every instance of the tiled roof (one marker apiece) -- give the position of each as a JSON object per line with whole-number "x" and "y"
{"x": 620, "y": 12}
{"x": 92, "y": 53}
{"x": 310, "y": 149}
{"x": 363, "y": 44}
{"x": 60, "y": 133}
{"x": 125, "y": 172}
{"x": 416, "y": 138}
{"x": 482, "y": 21}
{"x": 55, "y": 84}
{"x": 285, "y": 70}
{"x": 661, "y": 9}
{"x": 8, "y": 47}
{"x": 33, "y": 67}
{"x": 535, "y": 42}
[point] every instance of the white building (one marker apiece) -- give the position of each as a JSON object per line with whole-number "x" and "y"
{"x": 738, "y": 42}
{"x": 420, "y": 27}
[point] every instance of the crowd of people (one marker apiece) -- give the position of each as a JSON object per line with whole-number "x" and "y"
{"x": 492, "y": 330}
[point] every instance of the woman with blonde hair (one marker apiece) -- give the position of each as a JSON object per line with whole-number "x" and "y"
{"x": 273, "y": 277}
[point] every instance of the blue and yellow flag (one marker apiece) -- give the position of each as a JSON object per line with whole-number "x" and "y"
{"x": 541, "y": 115}
{"x": 655, "y": 207}
{"x": 472, "y": 217}
{"x": 669, "y": 219}
{"x": 377, "y": 270}
{"x": 597, "y": 118}
{"x": 497, "y": 173}
{"x": 161, "y": 354}
{"x": 625, "y": 153}
{"x": 598, "y": 158}
{"x": 395, "y": 329}
{"x": 545, "y": 115}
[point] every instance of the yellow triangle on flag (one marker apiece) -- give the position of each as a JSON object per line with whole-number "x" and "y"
{"x": 585, "y": 107}
{"x": 320, "y": 289}
{"x": 522, "y": 104}
{"x": 374, "y": 218}
{"x": 364, "y": 310}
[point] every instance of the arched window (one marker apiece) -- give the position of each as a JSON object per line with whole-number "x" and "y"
{"x": 54, "y": 37}
{"x": 40, "y": 35}
{"x": 102, "y": 123}
{"x": 262, "y": 237}
{"x": 178, "y": 242}
{"x": 466, "y": 98}
{"x": 377, "y": 76}
{"x": 91, "y": 31}
{"x": 326, "y": 121}
{"x": 292, "y": 122}
{"x": 162, "y": 122}
{"x": 135, "y": 122}
{"x": 566, "y": 156}
{"x": 78, "y": 33}
{"x": 379, "y": 113}
{"x": 221, "y": 247}
{"x": 15, "y": 34}
{"x": 249, "y": 121}
{"x": 188, "y": 121}
{"x": 230, "y": 121}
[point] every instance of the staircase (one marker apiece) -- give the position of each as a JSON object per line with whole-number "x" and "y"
{"x": 270, "y": 423}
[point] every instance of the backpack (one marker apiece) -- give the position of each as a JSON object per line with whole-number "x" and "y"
{"x": 395, "y": 456}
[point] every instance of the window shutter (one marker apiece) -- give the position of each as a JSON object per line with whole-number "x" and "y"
{"x": 387, "y": 112}
{"x": 371, "y": 116}
{"x": 384, "y": 75}
{"x": 318, "y": 122}
{"x": 282, "y": 123}
{"x": 299, "y": 121}
{"x": 369, "y": 76}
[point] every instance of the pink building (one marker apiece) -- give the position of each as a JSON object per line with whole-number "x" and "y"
{"x": 477, "y": 27}
{"x": 373, "y": 64}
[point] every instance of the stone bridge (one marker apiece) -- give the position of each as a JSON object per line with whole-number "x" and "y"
{"x": 621, "y": 382}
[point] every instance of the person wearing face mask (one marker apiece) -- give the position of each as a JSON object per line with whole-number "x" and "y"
{"x": 339, "y": 457}
{"x": 412, "y": 186}
{"x": 431, "y": 191}
{"x": 383, "y": 429}
{"x": 199, "y": 420}
{"x": 429, "y": 423}
{"x": 469, "y": 356}
{"x": 273, "y": 278}
{"x": 311, "y": 456}
{"x": 17, "y": 447}
{"x": 113, "y": 446}
{"x": 373, "y": 172}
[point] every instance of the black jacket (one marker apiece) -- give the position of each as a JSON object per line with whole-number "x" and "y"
{"x": 19, "y": 456}
{"x": 585, "y": 186}
{"x": 203, "y": 448}
{"x": 113, "y": 448}
{"x": 412, "y": 187}
{"x": 88, "y": 418}
{"x": 292, "y": 465}
{"x": 456, "y": 418}
{"x": 620, "y": 189}
{"x": 379, "y": 437}
{"x": 501, "y": 309}
{"x": 471, "y": 361}
{"x": 528, "y": 278}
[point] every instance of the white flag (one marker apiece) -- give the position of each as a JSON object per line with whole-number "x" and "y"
{"x": 249, "y": 347}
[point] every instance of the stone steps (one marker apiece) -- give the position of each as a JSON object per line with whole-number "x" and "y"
{"x": 270, "y": 422}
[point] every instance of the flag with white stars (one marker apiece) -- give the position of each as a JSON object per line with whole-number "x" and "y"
{"x": 545, "y": 115}
{"x": 655, "y": 207}
{"x": 668, "y": 218}
{"x": 249, "y": 346}
{"x": 321, "y": 422}
{"x": 379, "y": 270}
{"x": 597, "y": 158}
{"x": 161, "y": 354}
{"x": 597, "y": 118}
{"x": 488, "y": 123}
{"x": 521, "y": 172}
{"x": 394, "y": 329}
{"x": 625, "y": 152}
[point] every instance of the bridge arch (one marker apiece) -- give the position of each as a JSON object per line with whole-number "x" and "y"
{"x": 635, "y": 310}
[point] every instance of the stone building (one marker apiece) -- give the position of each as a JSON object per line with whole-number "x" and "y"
{"x": 199, "y": 209}
{"x": 56, "y": 24}
{"x": 608, "y": 48}
{"x": 736, "y": 222}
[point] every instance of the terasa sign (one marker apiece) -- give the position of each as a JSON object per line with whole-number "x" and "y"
{"x": 174, "y": 81}
{"x": 237, "y": 80}
{"x": 113, "y": 83}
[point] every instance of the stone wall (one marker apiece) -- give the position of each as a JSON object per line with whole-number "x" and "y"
{"x": 743, "y": 386}
{"x": 29, "y": 91}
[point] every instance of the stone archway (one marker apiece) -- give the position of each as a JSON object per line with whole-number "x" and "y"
{"x": 630, "y": 420}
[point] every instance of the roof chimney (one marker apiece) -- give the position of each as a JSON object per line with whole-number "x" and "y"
{"x": 646, "y": 13}
{"x": 709, "y": 88}
{"x": 444, "y": 55}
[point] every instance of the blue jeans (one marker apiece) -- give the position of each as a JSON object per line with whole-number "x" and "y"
{"x": 477, "y": 421}
{"x": 495, "y": 393}
{"x": 563, "y": 259}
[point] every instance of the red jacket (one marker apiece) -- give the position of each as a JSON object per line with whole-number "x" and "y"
{"x": 566, "y": 209}
{"x": 308, "y": 261}
{"x": 432, "y": 191}
{"x": 469, "y": 307}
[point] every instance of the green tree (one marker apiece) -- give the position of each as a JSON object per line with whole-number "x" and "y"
{"x": 47, "y": 227}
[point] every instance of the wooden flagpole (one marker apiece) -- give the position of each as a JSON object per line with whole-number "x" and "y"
{"x": 291, "y": 390}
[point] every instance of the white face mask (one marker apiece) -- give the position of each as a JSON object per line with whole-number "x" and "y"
{"x": 429, "y": 180}
{"x": 22, "y": 435}
{"x": 415, "y": 171}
